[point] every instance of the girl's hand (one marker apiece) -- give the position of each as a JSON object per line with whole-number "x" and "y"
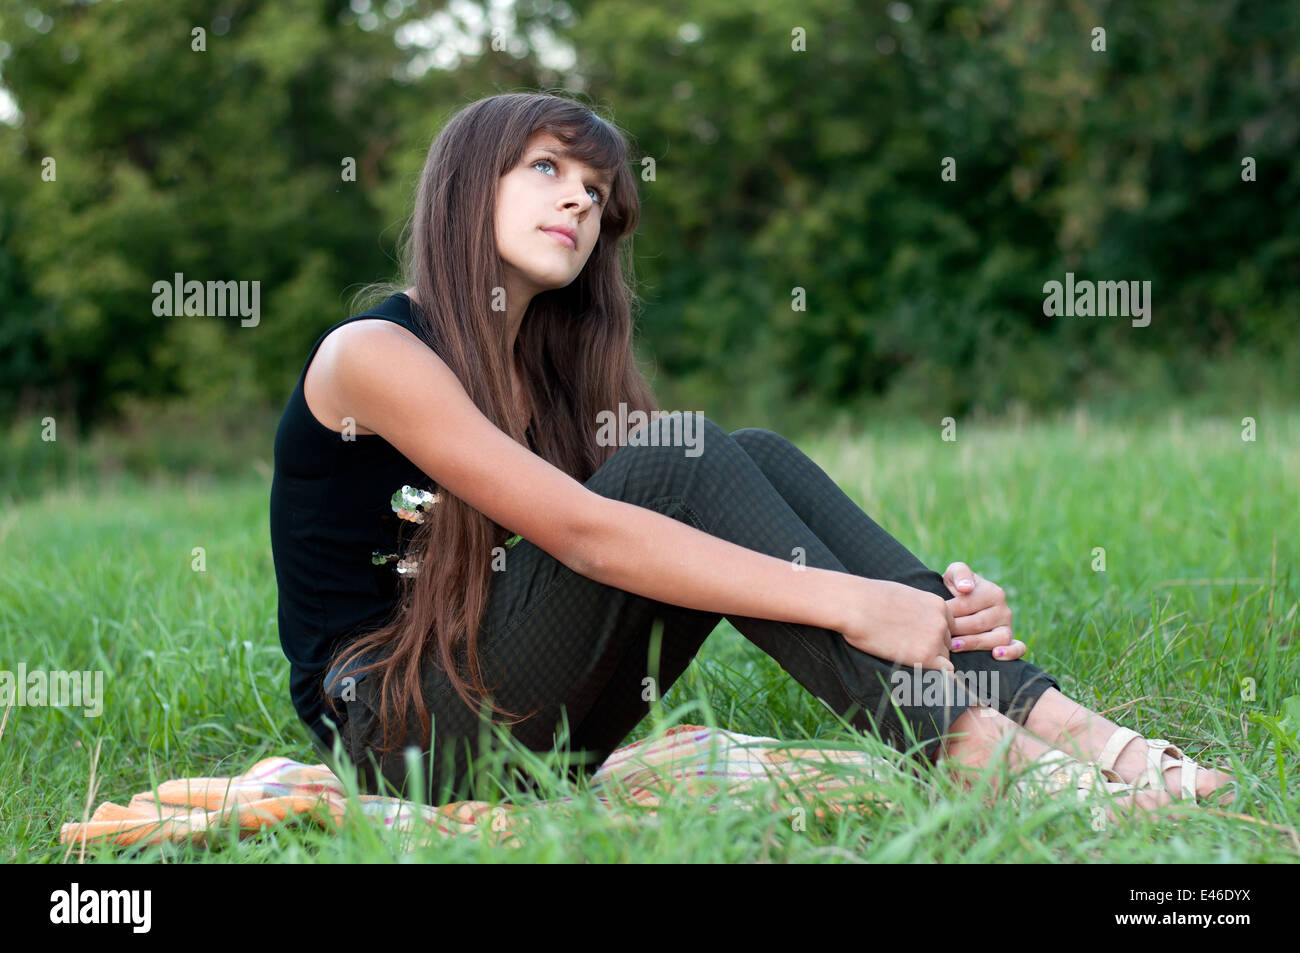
{"x": 899, "y": 624}
{"x": 981, "y": 616}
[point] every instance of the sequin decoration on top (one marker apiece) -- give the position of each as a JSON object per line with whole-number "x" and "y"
{"x": 409, "y": 504}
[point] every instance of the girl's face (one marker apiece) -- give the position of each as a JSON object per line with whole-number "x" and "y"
{"x": 547, "y": 191}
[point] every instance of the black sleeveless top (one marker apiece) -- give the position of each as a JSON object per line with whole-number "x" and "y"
{"x": 330, "y": 514}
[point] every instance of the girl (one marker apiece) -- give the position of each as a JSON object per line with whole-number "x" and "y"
{"x": 468, "y": 403}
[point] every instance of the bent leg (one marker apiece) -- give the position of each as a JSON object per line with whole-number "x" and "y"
{"x": 866, "y": 549}
{"x": 555, "y": 645}
{"x": 1027, "y": 695}
{"x": 723, "y": 492}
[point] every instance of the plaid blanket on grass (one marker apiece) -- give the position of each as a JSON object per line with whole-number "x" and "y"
{"x": 685, "y": 760}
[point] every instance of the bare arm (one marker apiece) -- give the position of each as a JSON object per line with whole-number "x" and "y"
{"x": 636, "y": 549}
{"x": 389, "y": 382}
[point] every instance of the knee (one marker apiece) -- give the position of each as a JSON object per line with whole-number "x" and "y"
{"x": 672, "y": 455}
{"x": 763, "y": 444}
{"x": 677, "y": 438}
{"x": 753, "y": 437}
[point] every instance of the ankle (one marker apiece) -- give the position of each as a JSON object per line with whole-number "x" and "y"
{"x": 1058, "y": 721}
{"x": 986, "y": 736}
{"x": 968, "y": 742}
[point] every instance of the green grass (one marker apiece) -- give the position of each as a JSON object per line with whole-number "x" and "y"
{"x": 98, "y": 576}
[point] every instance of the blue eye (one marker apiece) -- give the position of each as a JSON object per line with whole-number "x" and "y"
{"x": 600, "y": 196}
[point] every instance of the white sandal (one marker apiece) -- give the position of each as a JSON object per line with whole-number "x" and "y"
{"x": 1055, "y": 771}
{"x": 1161, "y": 756}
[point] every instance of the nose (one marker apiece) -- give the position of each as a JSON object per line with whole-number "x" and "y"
{"x": 581, "y": 201}
{"x": 573, "y": 202}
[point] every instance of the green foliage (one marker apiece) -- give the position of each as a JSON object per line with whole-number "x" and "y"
{"x": 775, "y": 168}
{"x": 1285, "y": 732}
{"x": 195, "y": 683}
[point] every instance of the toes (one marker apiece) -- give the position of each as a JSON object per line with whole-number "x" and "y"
{"x": 1214, "y": 785}
{"x": 1209, "y": 780}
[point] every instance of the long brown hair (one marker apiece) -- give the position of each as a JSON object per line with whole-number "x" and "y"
{"x": 575, "y": 354}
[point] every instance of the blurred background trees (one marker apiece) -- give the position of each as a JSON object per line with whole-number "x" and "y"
{"x": 775, "y": 168}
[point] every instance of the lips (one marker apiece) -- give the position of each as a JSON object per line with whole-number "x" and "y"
{"x": 563, "y": 234}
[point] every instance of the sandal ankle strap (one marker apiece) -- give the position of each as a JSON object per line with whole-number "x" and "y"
{"x": 1120, "y": 737}
{"x": 1161, "y": 756}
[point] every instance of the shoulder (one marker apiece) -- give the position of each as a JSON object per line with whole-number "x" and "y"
{"x": 360, "y": 338}
{"x": 368, "y": 333}
{"x": 378, "y": 368}
{"x": 360, "y": 354}
{"x": 390, "y": 323}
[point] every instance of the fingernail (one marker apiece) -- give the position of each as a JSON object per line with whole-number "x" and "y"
{"x": 956, "y": 644}
{"x": 966, "y": 582}
{"x": 999, "y": 652}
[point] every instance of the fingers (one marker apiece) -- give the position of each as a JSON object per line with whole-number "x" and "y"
{"x": 983, "y": 621}
{"x": 985, "y": 595}
{"x": 999, "y": 636}
{"x": 1010, "y": 652}
{"x": 1002, "y": 648}
{"x": 942, "y": 662}
{"x": 959, "y": 578}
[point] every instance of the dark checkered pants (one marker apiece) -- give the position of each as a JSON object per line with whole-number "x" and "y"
{"x": 563, "y": 644}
